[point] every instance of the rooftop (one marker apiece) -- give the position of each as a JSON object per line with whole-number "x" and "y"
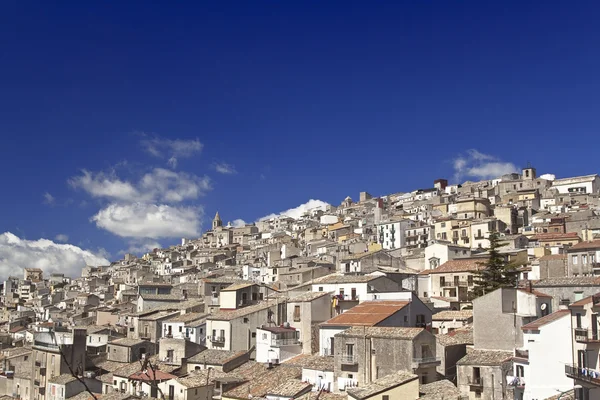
{"x": 291, "y": 388}
{"x": 228, "y": 315}
{"x": 315, "y": 362}
{"x": 238, "y": 286}
{"x": 161, "y": 297}
{"x": 439, "y": 390}
{"x": 381, "y": 385}
{"x": 538, "y": 323}
{"x": 187, "y": 317}
{"x": 457, "y": 337}
{"x": 62, "y": 379}
{"x": 449, "y": 315}
{"x": 260, "y": 379}
{"x": 308, "y": 296}
{"x": 458, "y": 265}
{"x": 382, "y": 332}
{"x": 341, "y": 278}
{"x": 200, "y": 378}
{"x": 126, "y": 342}
{"x": 368, "y": 313}
{"x": 485, "y": 357}
{"x": 591, "y": 245}
{"x": 215, "y": 357}
{"x": 554, "y": 236}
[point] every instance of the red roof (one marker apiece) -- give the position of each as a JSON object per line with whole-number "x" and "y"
{"x": 458, "y": 265}
{"x": 554, "y": 236}
{"x": 17, "y": 329}
{"x": 535, "y": 325}
{"x": 368, "y": 313}
{"x": 595, "y": 244}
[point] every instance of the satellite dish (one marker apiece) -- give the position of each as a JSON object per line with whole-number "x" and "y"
{"x": 543, "y": 306}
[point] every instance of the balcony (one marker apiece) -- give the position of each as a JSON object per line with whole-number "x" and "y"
{"x": 349, "y": 359}
{"x": 583, "y": 374}
{"x": 583, "y": 335}
{"x": 36, "y": 382}
{"x": 344, "y": 383}
{"x": 328, "y": 352}
{"x": 40, "y": 364}
{"x": 454, "y": 284}
{"x": 425, "y": 361}
{"x": 347, "y": 297}
{"x": 524, "y": 354}
{"x": 285, "y": 342}
{"x": 475, "y": 382}
{"x": 217, "y": 339}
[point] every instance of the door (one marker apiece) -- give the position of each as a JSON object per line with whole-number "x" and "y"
{"x": 595, "y": 326}
{"x": 331, "y": 346}
{"x": 456, "y": 281}
{"x": 353, "y": 292}
{"x": 171, "y": 392}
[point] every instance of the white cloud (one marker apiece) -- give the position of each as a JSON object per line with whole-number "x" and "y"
{"x": 143, "y": 220}
{"x": 157, "y": 185}
{"x": 172, "y": 187}
{"x": 49, "y": 199}
{"x": 549, "y": 177}
{"x": 61, "y": 237}
{"x": 17, "y": 254}
{"x": 171, "y": 149}
{"x": 297, "y": 212}
{"x": 478, "y": 165}
{"x": 224, "y": 168}
{"x": 238, "y": 223}
{"x": 104, "y": 185}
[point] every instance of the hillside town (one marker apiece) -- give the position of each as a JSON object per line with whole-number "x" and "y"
{"x": 371, "y": 299}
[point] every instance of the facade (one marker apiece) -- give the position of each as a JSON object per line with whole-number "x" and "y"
{"x": 275, "y": 344}
{"x": 583, "y": 259}
{"x": 390, "y": 235}
{"x": 483, "y": 374}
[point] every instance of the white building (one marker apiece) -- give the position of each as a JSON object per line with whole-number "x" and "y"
{"x": 390, "y": 235}
{"x": 191, "y": 326}
{"x": 578, "y": 184}
{"x": 539, "y": 366}
{"x": 275, "y": 344}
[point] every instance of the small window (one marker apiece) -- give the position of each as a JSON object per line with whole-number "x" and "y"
{"x": 253, "y": 334}
{"x": 246, "y": 320}
{"x": 264, "y": 336}
{"x": 385, "y": 397}
{"x": 320, "y": 288}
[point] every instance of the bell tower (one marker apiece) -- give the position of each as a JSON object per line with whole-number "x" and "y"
{"x": 217, "y": 223}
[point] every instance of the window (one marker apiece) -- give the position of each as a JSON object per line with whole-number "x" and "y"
{"x": 578, "y": 320}
{"x": 406, "y": 318}
{"x": 443, "y": 225}
{"x": 574, "y": 259}
{"x": 264, "y": 336}
{"x": 296, "y": 313}
{"x": 520, "y": 371}
{"x": 253, "y": 334}
{"x": 584, "y": 259}
{"x": 385, "y": 397}
{"x": 246, "y": 320}
{"x": 320, "y": 288}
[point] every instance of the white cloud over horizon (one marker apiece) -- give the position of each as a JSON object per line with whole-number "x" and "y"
{"x": 144, "y": 220}
{"x": 17, "y": 254}
{"x": 297, "y": 212}
{"x": 225, "y": 168}
{"x": 549, "y": 177}
{"x": 238, "y": 223}
{"x": 479, "y": 165}
{"x": 159, "y": 184}
{"x": 171, "y": 149}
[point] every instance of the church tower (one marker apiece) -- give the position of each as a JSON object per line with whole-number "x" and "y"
{"x": 217, "y": 223}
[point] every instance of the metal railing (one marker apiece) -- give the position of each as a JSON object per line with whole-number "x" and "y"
{"x": 426, "y": 360}
{"x": 217, "y": 339}
{"x": 327, "y": 352}
{"x": 349, "y": 359}
{"x": 285, "y": 342}
{"x": 585, "y": 335}
{"x": 475, "y": 380}
{"x": 583, "y": 374}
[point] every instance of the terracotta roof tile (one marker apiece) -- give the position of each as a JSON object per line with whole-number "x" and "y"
{"x": 538, "y": 323}
{"x": 593, "y": 245}
{"x": 451, "y": 315}
{"x": 459, "y": 265}
{"x": 554, "y": 236}
{"x": 368, "y": 313}
{"x": 381, "y": 385}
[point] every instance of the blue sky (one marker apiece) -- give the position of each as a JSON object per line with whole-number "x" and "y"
{"x": 300, "y": 100}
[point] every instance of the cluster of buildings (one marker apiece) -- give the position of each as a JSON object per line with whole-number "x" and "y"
{"x": 370, "y": 299}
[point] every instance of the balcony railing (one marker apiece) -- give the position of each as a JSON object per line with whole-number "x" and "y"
{"x": 345, "y": 383}
{"x": 41, "y": 364}
{"x": 584, "y": 335}
{"x": 453, "y": 283}
{"x": 349, "y": 359}
{"x": 583, "y": 374}
{"x": 327, "y": 352}
{"x": 522, "y": 354}
{"x": 475, "y": 381}
{"x": 426, "y": 360}
{"x": 285, "y": 342}
{"x": 217, "y": 339}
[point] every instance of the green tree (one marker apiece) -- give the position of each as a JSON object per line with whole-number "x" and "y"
{"x": 495, "y": 272}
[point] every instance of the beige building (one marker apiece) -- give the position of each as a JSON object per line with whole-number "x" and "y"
{"x": 454, "y": 279}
